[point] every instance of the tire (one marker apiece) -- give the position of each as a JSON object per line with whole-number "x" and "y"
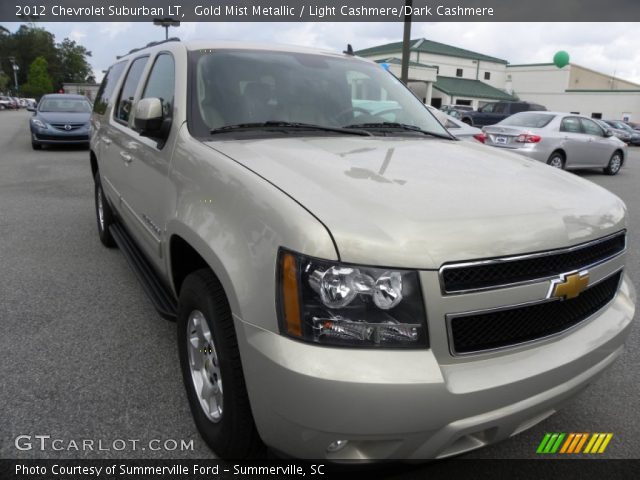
{"x": 36, "y": 146}
{"x": 615, "y": 164}
{"x": 556, "y": 160}
{"x": 210, "y": 360}
{"x": 104, "y": 214}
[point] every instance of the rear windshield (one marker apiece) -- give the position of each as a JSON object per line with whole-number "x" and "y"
{"x": 528, "y": 119}
{"x": 76, "y": 105}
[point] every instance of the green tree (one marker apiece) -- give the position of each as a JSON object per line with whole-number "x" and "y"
{"x": 4, "y": 81}
{"x": 38, "y": 80}
{"x": 66, "y": 61}
{"x": 72, "y": 57}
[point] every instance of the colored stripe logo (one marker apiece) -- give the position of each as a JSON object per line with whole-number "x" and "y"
{"x": 593, "y": 443}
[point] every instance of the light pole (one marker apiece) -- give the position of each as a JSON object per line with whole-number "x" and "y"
{"x": 166, "y": 23}
{"x": 15, "y": 71}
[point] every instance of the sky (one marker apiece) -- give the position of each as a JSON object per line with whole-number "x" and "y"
{"x": 610, "y": 48}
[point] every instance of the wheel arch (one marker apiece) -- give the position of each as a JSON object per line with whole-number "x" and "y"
{"x": 93, "y": 159}
{"x": 186, "y": 254}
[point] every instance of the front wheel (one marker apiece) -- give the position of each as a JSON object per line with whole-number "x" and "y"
{"x": 35, "y": 145}
{"x": 211, "y": 369}
{"x": 615, "y": 164}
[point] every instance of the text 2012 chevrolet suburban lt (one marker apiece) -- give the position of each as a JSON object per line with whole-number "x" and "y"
{"x": 350, "y": 281}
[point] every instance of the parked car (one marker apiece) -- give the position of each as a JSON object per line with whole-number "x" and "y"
{"x": 456, "y": 127}
{"x": 8, "y": 103}
{"x": 456, "y": 110}
{"x": 623, "y": 135}
{"x": 346, "y": 287}
{"x": 634, "y": 125}
{"x": 562, "y": 140}
{"x": 60, "y": 119}
{"x": 492, "y": 113}
{"x": 633, "y": 135}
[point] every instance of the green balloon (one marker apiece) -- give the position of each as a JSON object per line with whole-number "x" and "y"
{"x": 561, "y": 59}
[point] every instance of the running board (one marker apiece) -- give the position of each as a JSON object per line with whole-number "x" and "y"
{"x": 162, "y": 299}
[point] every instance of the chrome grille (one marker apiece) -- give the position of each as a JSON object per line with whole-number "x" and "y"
{"x": 499, "y": 328}
{"x": 501, "y": 272}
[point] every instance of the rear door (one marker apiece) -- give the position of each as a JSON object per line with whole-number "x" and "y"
{"x": 102, "y": 136}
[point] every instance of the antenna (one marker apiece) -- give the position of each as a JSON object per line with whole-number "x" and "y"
{"x": 349, "y": 50}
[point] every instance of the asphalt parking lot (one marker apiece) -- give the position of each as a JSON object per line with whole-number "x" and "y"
{"x": 83, "y": 355}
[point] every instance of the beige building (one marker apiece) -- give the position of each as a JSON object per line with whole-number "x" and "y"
{"x": 575, "y": 88}
{"x": 89, "y": 90}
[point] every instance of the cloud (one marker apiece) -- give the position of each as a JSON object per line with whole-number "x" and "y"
{"x": 605, "y": 47}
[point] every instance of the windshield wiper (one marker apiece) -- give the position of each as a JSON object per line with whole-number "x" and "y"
{"x": 400, "y": 126}
{"x": 288, "y": 125}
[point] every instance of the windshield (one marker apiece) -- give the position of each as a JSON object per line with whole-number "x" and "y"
{"x": 251, "y": 87}
{"x": 528, "y": 119}
{"x": 75, "y": 105}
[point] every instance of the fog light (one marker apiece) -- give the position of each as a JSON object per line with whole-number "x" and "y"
{"x": 337, "y": 445}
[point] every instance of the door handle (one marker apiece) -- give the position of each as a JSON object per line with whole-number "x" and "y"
{"x": 106, "y": 140}
{"x": 126, "y": 157}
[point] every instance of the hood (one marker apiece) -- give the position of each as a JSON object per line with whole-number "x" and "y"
{"x": 419, "y": 203}
{"x": 64, "y": 117}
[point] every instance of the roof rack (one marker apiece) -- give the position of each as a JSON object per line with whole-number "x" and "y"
{"x": 150, "y": 44}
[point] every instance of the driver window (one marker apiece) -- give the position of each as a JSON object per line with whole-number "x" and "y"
{"x": 591, "y": 127}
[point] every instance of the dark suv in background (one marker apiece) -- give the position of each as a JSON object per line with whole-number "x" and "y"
{"x": 492, "y": 113}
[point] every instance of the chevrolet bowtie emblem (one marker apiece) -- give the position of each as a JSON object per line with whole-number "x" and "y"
{"x": 569, "y": 285}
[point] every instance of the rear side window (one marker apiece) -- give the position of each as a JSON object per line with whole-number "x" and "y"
{"x": 161, "y": 82}
{"x": 571, "y": 124}
{"x": 107, "y": 87}
{"x": 500, "y": 108}
{"x": 519, "y": 107}
{"x": 125, "y": 100}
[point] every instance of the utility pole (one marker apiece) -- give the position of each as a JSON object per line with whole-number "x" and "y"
{"x": 404, "y": 73}
{"x": 166, "y": 23}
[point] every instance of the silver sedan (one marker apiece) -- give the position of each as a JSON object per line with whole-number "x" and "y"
{"x": 561, "y": 140}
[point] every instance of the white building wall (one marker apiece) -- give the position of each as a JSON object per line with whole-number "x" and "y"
{"x": 539, "y": 78}
{"x": 472, "y": 69}
{"x": 612, "y": 105}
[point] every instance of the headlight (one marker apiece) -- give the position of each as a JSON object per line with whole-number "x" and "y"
{"x": 333, "y": 303}
{"x": 38, "y": 123}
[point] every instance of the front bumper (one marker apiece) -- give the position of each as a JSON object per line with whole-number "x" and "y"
{"x": 52, "y": 136}
{"x": 419, "y": 404}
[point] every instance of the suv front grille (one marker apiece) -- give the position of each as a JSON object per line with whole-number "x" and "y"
{"x": 502, "y": 328}
{"x": 507, "y": 271}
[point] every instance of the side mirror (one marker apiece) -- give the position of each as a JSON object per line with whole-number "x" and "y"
{"x": 148, "y": 116}
{"x": 608, "y": 133}
{"x": 31, "y": 109}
